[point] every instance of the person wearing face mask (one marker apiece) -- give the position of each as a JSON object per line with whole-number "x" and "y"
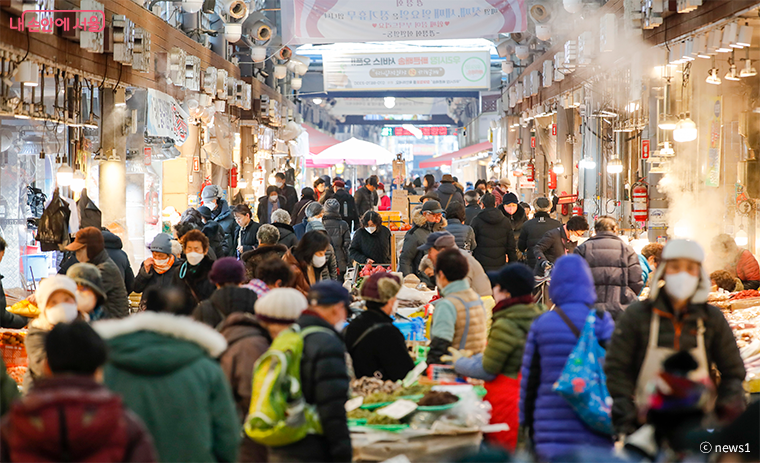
{"x": 510, "y": 207}
{"x": 676, "y": 317}
{"x": 308, "y": 260}
{"x": 385, "y": 201}
{"x": 314, "y": 213}
{"x": 324, "y": 378}
{"x": 270, "y": 203}
{"x": 494, "y": 236}
{"x": 427, "y": 220}
{"x": 90, "y": 294}
{"x": 499, "y": 365}
{"x": 285, "y": 191}
{"x": 246, "y": 230}
{"x": 57, "y": 299}
{"x": 159, "y": 269}
{"x": 192, "y": 276}
{"x": 559, "y": 242}
{"x": 89, "y": 246}
{"x": 372, "y": 243}
{"x": 375, "y": 344}
{"x": 614, "y": 265}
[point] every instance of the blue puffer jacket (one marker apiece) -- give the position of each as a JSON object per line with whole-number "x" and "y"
{"x": 557, "y": 430}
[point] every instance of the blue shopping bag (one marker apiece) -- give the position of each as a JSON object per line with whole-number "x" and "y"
{"x": 583, "y": 382}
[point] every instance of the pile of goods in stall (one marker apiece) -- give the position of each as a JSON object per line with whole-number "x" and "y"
{"x": 394, "y": 220}
{"x": 742, "y": 311}
{"x": 25, "y": 309}
{"x": 378, "y": 405}
{"x": 14, "y": 353}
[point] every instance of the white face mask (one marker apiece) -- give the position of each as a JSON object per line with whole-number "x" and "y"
{"x": 65, "y": 312}
{"x": 371, "y": 229}
{"x": 273, "y": 199}
{"x": 161, "y": 261}
{"x": 574, "y": 238}
{"x": 381, "y": 192}
{"x": 315, "y": 219}
{"x": 681, "y": 286}
{"x": 279, "y": 184}
{"x": 87, "y": 301}
{"x": 194, "y": 258}
{"x": 318, "y": 261}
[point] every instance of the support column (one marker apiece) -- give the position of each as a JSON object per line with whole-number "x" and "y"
{"x": 565, "y": 127}
{"x": 113, "y": 174}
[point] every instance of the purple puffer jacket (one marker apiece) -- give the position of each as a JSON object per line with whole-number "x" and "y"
{"x": 557, "y": 430}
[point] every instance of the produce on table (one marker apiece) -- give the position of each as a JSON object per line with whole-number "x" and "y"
{"x": 415, "y": 389}
{"x": 368, "y": 270}
{"x": 17, "y": 373}
{"x": 359, "y": 414}
{"x": 381, "y": 419}
{"x": 366, "y": 385}
{"x": 746, "y": 294}
{"x": 378, "y": 398}
{"x": 12, "y": 337}
{"x": 438, "y": 398}
{"x": 25, "y": 309}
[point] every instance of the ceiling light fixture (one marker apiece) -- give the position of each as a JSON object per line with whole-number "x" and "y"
{"x": 296, "y": 83}
{"x": 667, "y": 150}
{"x": 558, "y": 168}
{"x": 587, "y": 163}
{"x": 65, "y": 175}
{"x": 389, "y": 102}
{"x": 729, "y": 38}
{"x": 28, "y": 73}
{"x": 732, "y": 74}
{"x": 745, "y": 35}
{"x": 317, "y": 100}
{"x": 685, "y": 131}
{"x": 748, "y": 70}
{"x": 615, "y": 166}
{"x": 712, "y": 77}
{"x": 700, "y": 46}
{"x": 77, "y": 182}
{"x": 280, "y": 71}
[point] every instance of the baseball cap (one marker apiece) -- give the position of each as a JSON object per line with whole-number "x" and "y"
{"x": 88, "y": 236}
{"x": 327, "y": 293}
{"x": 441, "y": 239}
{"x": 433, "y": 206}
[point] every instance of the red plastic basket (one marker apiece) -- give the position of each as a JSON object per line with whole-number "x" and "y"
{"x": 14, "y": 356}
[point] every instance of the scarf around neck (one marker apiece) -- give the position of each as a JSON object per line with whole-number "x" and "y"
{"x": 161, "y": 269}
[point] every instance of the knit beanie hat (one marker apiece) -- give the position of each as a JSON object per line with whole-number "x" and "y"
{"x": 75, "y": 349}
{"x": 205, "y": 212}
{"x": 543, "y": 204}
{"x": 509, "y": 198}
{"x": 313, "y": 210}
{"x": 163, "y": 242}
{"x": 280, "y": 305}
{"x": 87, "y": 275}
{"x": 516, "y": 278}
{"x": 227, "y": 270}
{"x": 332, "y": 206}
{"x": 380, "y": 287}
{"x": 52, "y": 284}
{"x": 210, "y": 192}
{"x": 315, "y": 225}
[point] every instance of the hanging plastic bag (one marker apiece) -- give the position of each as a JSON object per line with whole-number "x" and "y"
{"x": 583, "y": 382}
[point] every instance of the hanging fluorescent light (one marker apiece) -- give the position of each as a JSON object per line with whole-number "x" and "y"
{"x": 667, "y": 150}
{"x": 685, "y": 131}
{"x": 712, "y": 77}
{"x": 745, "y": 35}
{"x": 700, "y": 46}
{"x": 77, "y": 182}
{"x": 65, "y": 175}
{"x": 28, "y": 73}
{"x": 587, "y": 163}
{"x": 667, "y": 122}
{"x": 615, "y": 166}
{"x": 558, "y": 168}
{"x": 280, "y": 71}
{"x": 389, "y": 102}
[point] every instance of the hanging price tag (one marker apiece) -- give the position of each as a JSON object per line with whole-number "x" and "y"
{"x": 645, "y": 149}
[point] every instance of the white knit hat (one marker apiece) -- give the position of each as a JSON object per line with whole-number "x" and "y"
{"x": 683, "y": 249}
{"x": 50, "y": 285}
{"x": 280, "y": 305}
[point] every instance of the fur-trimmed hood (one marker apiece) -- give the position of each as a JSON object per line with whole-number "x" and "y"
{"x": 418, "y": 220}
{"x": 163, "y": 332}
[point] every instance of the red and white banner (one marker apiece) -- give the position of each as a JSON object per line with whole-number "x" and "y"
{"x": 330, "y": 21}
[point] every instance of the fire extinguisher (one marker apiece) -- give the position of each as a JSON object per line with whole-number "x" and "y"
{"x": 640, "y": 194}
{"x": 552, "y": 183}
{"x": 577, "y": 210}
{"x": 530, "y": 172}
{"x": 151, "y": 208}
{"x": 233, "y": 176}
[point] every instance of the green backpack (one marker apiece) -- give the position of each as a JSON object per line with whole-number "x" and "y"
{"x": 278, "y": 414}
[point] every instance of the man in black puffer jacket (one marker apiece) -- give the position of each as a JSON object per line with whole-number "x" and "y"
{"x": 428, "y": 220}
{"x": 559, "y": 242}
{"x": 614, "y": 266}
{"x": 472, "y": 208}
{"x": 535, "y": 229}
{"x": 364, "y": 197}
{"x": 339, "y": 232}
{"x": 227, "y": 274}
{"x": 211, "y": 197}
{"x": 324, "y": 378}
{"x": 347, "y": 205}
{"x": 493, "y": 233}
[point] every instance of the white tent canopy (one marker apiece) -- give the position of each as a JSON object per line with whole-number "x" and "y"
{"x": 354, "y": 151}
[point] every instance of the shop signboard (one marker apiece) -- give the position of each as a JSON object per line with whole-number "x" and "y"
{"x": 658, "y": 217}
{"x": 332, "y": 21}
{"x": 166, "y": 118}
{"x": 714, "y": 143}
{"x": 423, "y": 69}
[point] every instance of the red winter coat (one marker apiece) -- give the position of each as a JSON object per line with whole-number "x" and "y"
{"x": 385, "y": 203}
{"x": 747, "y": 268}
{"x": 73, "y": 419}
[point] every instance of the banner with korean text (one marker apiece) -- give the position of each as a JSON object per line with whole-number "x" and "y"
{"x": 330, "y": 21}
{"x": 166, "y": 118}
{"x": 429, "y": 70}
